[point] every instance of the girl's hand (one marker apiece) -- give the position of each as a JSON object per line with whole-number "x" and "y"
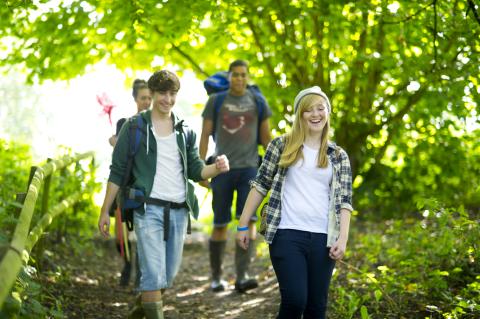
{"x": 337, "y": 251}
{"x": 243, "y": 239}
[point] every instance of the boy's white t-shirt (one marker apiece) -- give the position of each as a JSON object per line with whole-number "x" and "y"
{"x": 306, "y": 192}
{"x": 168, "y": 183}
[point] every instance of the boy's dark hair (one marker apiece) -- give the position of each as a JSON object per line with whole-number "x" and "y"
{"x": 238, "y": 63}
{"x": 164, "y": 80}
{"x": 138, "y": 84}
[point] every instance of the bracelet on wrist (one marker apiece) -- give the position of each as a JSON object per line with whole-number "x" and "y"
{"x": 242, "y": 228}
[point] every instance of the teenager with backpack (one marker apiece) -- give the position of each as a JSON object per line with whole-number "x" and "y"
{"x": 238, "y": 123}
{"x": 166, "y": 159}
{"x": 306, "y": 220}
{"x": 143, "y": 99}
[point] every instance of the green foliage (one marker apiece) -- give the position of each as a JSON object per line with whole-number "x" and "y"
{"x": 27, "y": 297}
{"x": 413, "y": 267}
{"x": 434, "y": 164}
{"x": 78, "y": 176}
{"x": 402, "y": 76}
{"x": 15, "y": 160}
{"x": 27, "y": 294}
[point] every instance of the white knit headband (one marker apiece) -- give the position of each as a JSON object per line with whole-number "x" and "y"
{"x": 312, "y": 90}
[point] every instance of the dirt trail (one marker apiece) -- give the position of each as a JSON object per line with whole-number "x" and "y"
{"x": 89, "y": 285}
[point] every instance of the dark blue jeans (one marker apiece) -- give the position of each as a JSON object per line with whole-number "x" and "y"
{"x": 304, "y": 269}
{"x": 223, "y": 187}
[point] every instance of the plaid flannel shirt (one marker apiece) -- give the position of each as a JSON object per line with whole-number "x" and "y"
{"x": 271, "y": 177}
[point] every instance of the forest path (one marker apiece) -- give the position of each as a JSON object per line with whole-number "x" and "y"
{"x": 89, "y": 286}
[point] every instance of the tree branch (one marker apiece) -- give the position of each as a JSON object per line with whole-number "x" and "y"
{"x": 261, "y": 47}
{"x": 319, "y": 75}
{"x": 306, "y": 58}
{"x": 412, "y": 99}
{"x": 374, "y": 73}
{"x": 471, "y": 6}
{"x": 289, "y": 35}
{"x": 434, "y": 35}
{"x": 411, "y": 16}
{"x": 194, "y": 64}
{"x": 383, "y": 149}
{"x": 357, "y": 64}
{"x": 393, "y": 128}
{"x": 288, "y": 32}
{"x": 286, "y": 53}
{"x": 186, "y": 56}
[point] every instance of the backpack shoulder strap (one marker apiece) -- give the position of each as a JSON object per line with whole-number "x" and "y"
{"x": 218, "y": 100}
{"x": 138, "y": 133}
{"x": 259, "y": 100}
{"x": 136, "y": 127}
{"x": 261, "y": 105}
{"x": 187, "y": 133}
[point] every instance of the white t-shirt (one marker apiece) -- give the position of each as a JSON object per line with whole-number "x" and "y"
{"x": 305, "y": 197}
{"x": 168, "y": 183}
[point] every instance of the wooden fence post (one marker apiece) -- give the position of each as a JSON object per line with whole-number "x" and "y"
{"x": 25, "y": 238}
{"x": 19, "y": 198}
{"x": 30, "y": 177}
{"x": 40, "y": 247}
{"x": 62, "y": 220}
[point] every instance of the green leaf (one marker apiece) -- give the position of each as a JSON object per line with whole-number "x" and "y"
{"x": 364, "y": 312}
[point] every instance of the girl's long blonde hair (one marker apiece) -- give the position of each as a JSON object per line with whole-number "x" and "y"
{"x": 296, "y": 137}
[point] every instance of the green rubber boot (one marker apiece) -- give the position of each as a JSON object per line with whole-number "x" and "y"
{"x": 137, "y": 312}
{"x": 217, "y": 251}
{"x": 153, "y": 310}
{"x": 242, "y": 261}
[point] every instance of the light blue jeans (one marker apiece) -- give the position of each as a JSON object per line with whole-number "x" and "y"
{"x": 159, "y": 260}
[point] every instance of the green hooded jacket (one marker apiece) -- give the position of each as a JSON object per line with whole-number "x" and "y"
{"x": 145, "y": 160}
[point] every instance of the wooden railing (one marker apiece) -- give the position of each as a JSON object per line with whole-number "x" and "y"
{"x": 24, "y": 239}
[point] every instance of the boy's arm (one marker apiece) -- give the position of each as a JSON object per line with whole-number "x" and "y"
{"x": 207, "y": 128}
{"x": 104, "y": 219}
{"x": 265, "y": 136}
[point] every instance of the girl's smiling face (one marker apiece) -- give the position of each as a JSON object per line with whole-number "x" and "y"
{"x": 316, "y": 115}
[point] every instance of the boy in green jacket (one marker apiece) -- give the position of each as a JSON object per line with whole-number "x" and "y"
{"x": 167, "y": 157}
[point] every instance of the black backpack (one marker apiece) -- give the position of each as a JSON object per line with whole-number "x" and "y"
{"x": 127, "y": 207}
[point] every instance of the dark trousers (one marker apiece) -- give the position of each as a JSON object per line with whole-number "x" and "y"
{"x": 304, "y": 269}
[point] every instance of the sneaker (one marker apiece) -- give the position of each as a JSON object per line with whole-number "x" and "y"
{"x": 245, "y": 284}
{"x": 218, "y": 285}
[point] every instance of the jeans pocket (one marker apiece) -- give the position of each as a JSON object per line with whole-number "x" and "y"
{"x": 139, "y": 220}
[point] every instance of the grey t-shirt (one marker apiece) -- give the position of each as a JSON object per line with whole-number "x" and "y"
{"x": 236, "y": 128}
